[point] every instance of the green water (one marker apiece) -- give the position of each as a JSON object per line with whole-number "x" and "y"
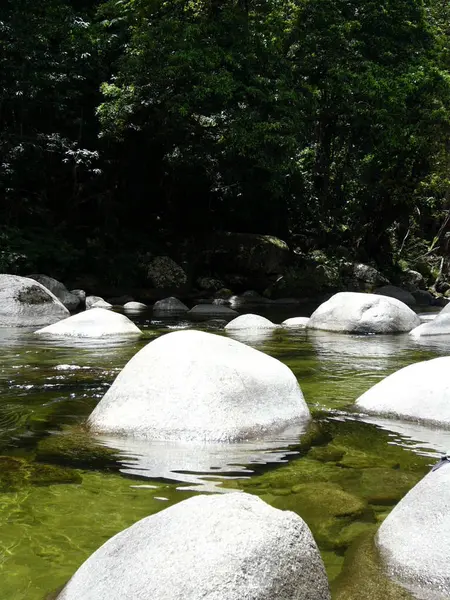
{"x": 63, "y": 493}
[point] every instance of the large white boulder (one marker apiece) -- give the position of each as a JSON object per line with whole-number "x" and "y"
{"x": 25, "y": 302}
{"x": 192, "y": 385}
{"x": 216, "y": 547}
{"x": 93, "y": 323}
{"x": 437, "y": 326}
{"x": 70, "y": 301}
{"x": 250, "y": 321}
{"x": 414, "y": 540}
{"x": 420, "y": 391}
{"x": 353, "y": 312}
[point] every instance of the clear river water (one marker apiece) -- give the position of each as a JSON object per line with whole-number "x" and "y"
{"x": 64, "y": 492}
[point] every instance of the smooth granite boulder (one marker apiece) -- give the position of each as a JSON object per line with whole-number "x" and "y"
{"x": 91, "y": 300}
{"x": 134, "y": 306}
{"x": 170, "y": 305}
{"x": 353, "y": 312}
{"x": 414, "y": 539}
{"x": 70, "y": 301}
{"x": 297, "y": 322}
{"x": 420, "y": 392}
{"x": 250, "y": 321}
{"x": 440, "y": 325}
{"x": 93, "y": 323}
{"x": 216, "y": 547}
{"x": 25, "y": 302}
{"x": 101, "y": 304}
{"x": 191, "y": 385}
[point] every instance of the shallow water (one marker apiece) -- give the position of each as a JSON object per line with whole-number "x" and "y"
{"x": 63, "y": 492}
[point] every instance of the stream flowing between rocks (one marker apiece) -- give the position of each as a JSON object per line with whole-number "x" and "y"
{"x": 64, "y": 492}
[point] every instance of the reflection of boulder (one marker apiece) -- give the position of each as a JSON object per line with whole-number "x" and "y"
{"x": 414, "y": 539}
{"x": 230, "y": 546}
{"x": 199, "y": 464}
{"x": 420, "y": 391}
{"x": 25, "y": 302}
{"x": 192, "y": 385}
{"x": 351, "y": 312}
{"x": 93, "y": 323}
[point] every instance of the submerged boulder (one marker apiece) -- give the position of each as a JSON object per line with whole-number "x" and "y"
{"x": 414, "y": 539}
{"x": 25, "y": 302}
{"x": 70, "y": 301}
{"x": 250, "y": 321}
{"x": 192, "y": 385}
{"x": 94, "y": 323}
{"x": 231, "y": 546}
{"x": 420, "y": 391}
{"x": 353, "y": 312}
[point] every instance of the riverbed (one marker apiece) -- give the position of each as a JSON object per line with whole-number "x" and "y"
{"x": 64, "y": 492}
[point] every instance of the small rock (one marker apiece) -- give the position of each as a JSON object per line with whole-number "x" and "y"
{"x": 298, "y": 322}
{"x": 250, "y": 321}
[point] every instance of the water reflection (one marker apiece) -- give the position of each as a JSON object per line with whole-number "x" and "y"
{"x": 198, "y": 465}
{"x": 421, "y": 439}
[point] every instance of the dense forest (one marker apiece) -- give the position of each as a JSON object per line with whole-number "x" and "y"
{"x": 130, "y": 127}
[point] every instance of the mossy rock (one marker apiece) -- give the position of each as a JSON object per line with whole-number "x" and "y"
{"x": 77, "y": 449}
{"x": 362, "y": 575}
{"x": 17, "y": 473}
{"x": 326, "y": 454}
{"x": 386, "y": 487}
{"x": 369, "y": 447}
{"x": 339, "y": 502}
{"x": 327, "y": 509}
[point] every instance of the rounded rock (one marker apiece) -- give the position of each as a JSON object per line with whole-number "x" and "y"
{"x": 25, "y": 302}
{"x": 134, "y": 306}
{"x": 297, "y": 322}
{"x": 232, "y": 546}
{"x": 250, "y": 321}
{"x": 94, "y": 323}
{"x": 420, "y": 391}
{"x": 354, "y": 312}
{"x": 170, "y": 305}
{"x": 414, "y": 539}
{"x": 191, "y": 385}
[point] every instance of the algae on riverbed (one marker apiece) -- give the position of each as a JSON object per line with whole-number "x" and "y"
{"x": 344, "y": 480}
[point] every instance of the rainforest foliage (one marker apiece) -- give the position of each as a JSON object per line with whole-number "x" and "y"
{"x": 126, "y": 123}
